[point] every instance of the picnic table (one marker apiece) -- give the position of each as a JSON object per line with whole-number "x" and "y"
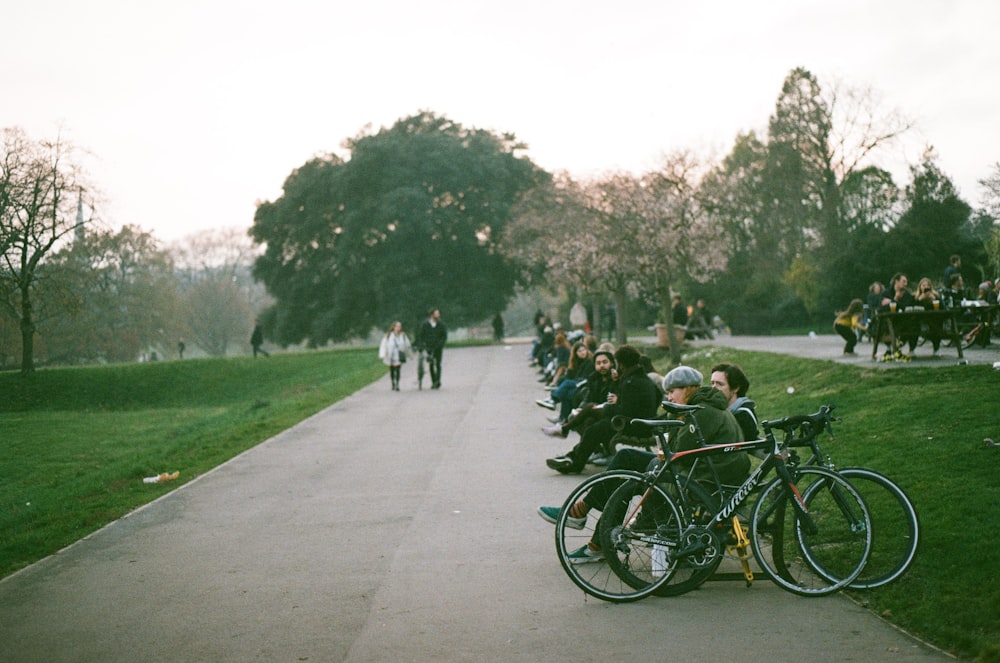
{"x": 916, "y": 321}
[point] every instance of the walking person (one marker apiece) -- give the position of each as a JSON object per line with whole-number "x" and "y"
{"x": 257, "y": 340}
{"x": 393, "y": 350}
{"x": 431, "y": 338}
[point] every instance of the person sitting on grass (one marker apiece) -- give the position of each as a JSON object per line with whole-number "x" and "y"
{"x": 718, "y": 426}
{"x": 637, "y": 397}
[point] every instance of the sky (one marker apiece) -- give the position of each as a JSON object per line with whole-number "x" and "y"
{"x": 189, "y": 113}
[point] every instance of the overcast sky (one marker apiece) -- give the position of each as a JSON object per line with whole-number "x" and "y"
{"x": 194, "y": 111}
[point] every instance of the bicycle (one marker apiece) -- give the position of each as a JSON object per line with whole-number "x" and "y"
{"x": 895, "y": 525}
{"x": 420, "y": 369}
{"x": 662, "y": 532}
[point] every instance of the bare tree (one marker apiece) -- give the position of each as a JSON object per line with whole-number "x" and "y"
{"x": 219, "y": 294}
{"x": 38, "y": 184}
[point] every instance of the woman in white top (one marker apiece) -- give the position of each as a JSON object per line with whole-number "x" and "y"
{"x": 392, "y": 351}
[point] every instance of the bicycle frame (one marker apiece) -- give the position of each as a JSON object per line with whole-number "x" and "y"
{"x": 773, "y": 461}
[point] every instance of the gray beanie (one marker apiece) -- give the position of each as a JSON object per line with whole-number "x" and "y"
{"x": 682, "y": 376}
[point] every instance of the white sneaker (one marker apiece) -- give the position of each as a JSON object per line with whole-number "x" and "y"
{"x": 552, "y": 431}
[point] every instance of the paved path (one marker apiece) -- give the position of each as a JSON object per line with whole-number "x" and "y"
{"x": 392, "y": 527}
{"x": 831, "y": 346}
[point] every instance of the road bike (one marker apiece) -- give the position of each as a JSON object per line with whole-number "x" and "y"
{"x": 420, "y": 369}
{"x": 895, "y": 525}
{"x": 666, "y": 531}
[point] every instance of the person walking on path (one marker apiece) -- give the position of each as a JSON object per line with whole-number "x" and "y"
{"x": 431, "y": 338}
{"x": 257, "y": 340}
{"x": 392, "y": 351}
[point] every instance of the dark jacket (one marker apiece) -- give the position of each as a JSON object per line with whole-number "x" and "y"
{"x": 638, "y": 398}
{"x": 743, "y": 410}
{"x": 431, "y": 337}
{"x": 718, "y": 426}
{"x": 598, "y": 387}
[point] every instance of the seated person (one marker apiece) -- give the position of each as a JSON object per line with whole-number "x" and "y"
{"x": 718, "y": 425}
{"x": 581, "y": 365}
{"x": 637, "y": 397}
{"x": 900, "y": 298}
{"x": 926, "y": 296}
{"x": 734, "y": 385}
{"x": 600, "y": 384}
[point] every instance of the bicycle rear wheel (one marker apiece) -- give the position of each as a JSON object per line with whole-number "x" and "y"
{"x": 641, "y": 530}
{"x": 817, "y": 554}
{"x": 596, "y": 576}
{"x": 895, "y": 527}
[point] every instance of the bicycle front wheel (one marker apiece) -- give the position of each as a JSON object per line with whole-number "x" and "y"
{"x": 592, "y": 572}
{"x": 895, "y": 527}
{"x": 817, "y": 552}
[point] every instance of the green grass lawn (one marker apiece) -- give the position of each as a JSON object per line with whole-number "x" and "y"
{"x": 924, "y": 428}
{"x": 77, "y": 442}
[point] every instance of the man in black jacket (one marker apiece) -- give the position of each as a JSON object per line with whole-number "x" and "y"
{"x": 431, "y": 338}
{"x": 637, "y": 397}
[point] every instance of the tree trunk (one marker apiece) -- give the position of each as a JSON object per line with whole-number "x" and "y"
{"x": 27, "y": 333}
{"x": 620, "y": 333}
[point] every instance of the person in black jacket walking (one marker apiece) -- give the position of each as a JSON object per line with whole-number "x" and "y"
{"x": 431, "y": 338}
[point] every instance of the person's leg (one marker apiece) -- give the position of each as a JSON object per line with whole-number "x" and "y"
{"x": 596, "y": 437}
{"x": 624, "y": 459}
{"x": 848, "y": 335}
{"x": 434, "y": 362}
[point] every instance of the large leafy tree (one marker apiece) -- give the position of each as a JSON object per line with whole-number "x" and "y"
{"x": 410, "y": 220}
{"x": 936, "y": 224}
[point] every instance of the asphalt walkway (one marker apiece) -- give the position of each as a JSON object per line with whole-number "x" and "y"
{"x": 393, "y": 526}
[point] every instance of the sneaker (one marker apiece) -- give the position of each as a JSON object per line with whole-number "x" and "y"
{"x": 551, "y": 514}
{"x": 554, "y": 419}
{"x": 546, "y": 403}
{"x": 599, "y": 459}
{"x": 585, "y": 555}
{"x": 553, "y": 431}
{"x": 562, "y": 464}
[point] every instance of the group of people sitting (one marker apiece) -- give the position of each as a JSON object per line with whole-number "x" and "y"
{"x": 622, "y": 382}
{"x": 857, "y": 319}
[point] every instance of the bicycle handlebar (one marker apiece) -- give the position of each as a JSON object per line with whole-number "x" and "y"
{"x": 821, "y": 419}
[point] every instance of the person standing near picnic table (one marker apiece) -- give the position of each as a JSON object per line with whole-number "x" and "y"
{"x": 392, "y": 351}
{"x": 431, "y": 338}
{"x": 848, "y": 322}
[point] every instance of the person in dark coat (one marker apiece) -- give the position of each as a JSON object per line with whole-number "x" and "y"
{"x": 637, "y": 397}
{"x": 431, "y": 339}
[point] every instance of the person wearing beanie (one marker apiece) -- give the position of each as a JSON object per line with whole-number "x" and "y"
{"x": 718, "y": 426}
{"x": 637, "y": 397}
{"x": 682, "y": 386}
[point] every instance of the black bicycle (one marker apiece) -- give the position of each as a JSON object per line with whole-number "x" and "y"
{"x": 663, "y": 532}
{"x": 420, "y": 368}
{"x": 895, "y": 525}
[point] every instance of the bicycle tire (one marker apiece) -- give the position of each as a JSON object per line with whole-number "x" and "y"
{"x": 812, "y": 563}
{"x": 596, "y": 578}
{"x": 639, "y": 560}
{"x": 895, "y": 527}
